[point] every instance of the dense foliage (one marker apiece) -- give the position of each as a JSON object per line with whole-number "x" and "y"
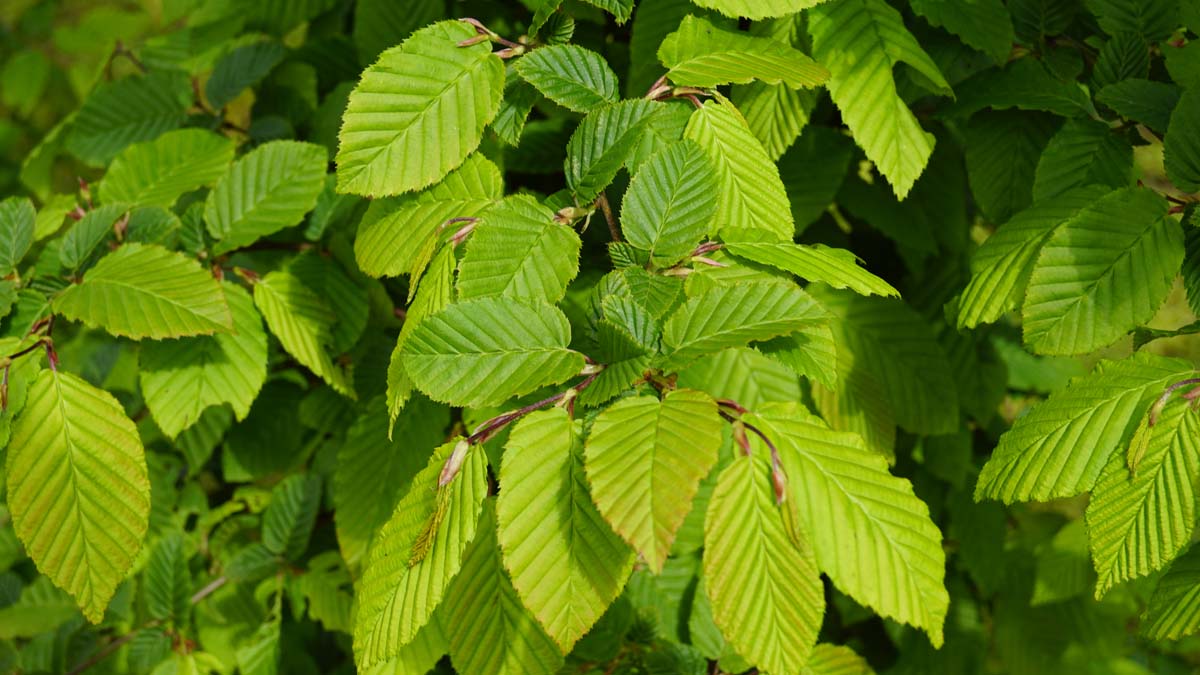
{"x": 594, "y": 336}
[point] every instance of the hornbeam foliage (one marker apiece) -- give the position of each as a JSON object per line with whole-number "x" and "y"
{"x": 599, "y": 337}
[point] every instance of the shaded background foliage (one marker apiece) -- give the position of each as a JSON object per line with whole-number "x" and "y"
{"x": 243, "y": 564}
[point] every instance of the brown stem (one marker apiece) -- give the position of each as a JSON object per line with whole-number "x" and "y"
{"x": 602, "y": 202}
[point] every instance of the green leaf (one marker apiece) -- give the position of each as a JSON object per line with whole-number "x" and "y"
{"x": 871, "y": 533}
{"x": 699, "y": 54}
{"x": 1061, "y": 446}
{"x": 269, "y": 189}
{"x": 860, "y": 42}
{"x": 241, "y": 68}
{"x": 1181, "y": 145}
{"x": 743, "y": 375}
{"x": 1002, "y": 265}
{"x": 829, "y": 659}
{"x": 303, "y": 323}
{"x": 1003, "y": 150}
{"x": 81, "y": 244}
{"x": 126, "y": 111}
{"x": 1174, "y": 609}
{"x": 670, "y": 203}
{"x": 602, "y": 143}
{"x": 732, "y": 316}
{"x": 766, "y": 592}
{"x": 484, "y": 352}
{"x": 397, "y": 595}
{"x": 403, "y": 103}
{"x": 518, "y": 250}
{"x": 620, "y": 9}
{"x": 776, "y": 114}
{"x": 567, "y": 564}
{"x": 156, "y": 173}
{"x": 757, "y": 9}
{"x": 1024, "y": 84}
{"x": 181, "y": 378}
{"x": 434, "y": 294}
{"x": 1125, "y": 56}
{"x": 1152, "y": 19}
{"x": 981, "y": 24}
{"x": 1102, "y": 274}
{"x": 379, "y": 24}
{"x": 576, "y": 78}
{"x": 328, "y": 279}
{"x": 288, "y": 521}
{"x": 1143, "y": 101}
{"x": 17, "y": 218}
{"x": 391, "y": 236}
{"x": 167, "y": 582}
{"x": 78, "y": 487}
{"x": 41, "y": 607}
{"x": 813, "y": 170}
{"x": 490, "y": 632}
{"x": 890, "y": 341}
{"x": 374, "y": 470}
{"x": 1083, "y": 152}
{"x": 645, "y": 459}
{"x": 751, "y": 194}
{"x": 1138, "y": 521}
{"x": 834, "y": 266}
{"x": 145, "y": 291}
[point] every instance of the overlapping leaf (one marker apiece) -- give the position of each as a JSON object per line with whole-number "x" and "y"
{"x": 670, "y": 202}
{"x": 700, "y": 54}
{"x": 158, "y": 172}
{"x": 303, "y": 323}
{"x": 1181, "y": 145}
{"x": 836, "y": 267}
{"x": 983, "y": 24}
{"x": 757, "y": 9}
{"x": 126, "y": 111}
{"x": 576, "y": 78}
{"x": 17, "y": 220}
{"x": 1174, "y": 609}
{"x": 1083, "y": 152}
{"x": 602, "y": 143}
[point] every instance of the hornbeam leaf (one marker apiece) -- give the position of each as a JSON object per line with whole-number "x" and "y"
{"x": 985, "y": 25}
{"x": 17, "y": 224}
{"x": 861, "y": 42}
{"x": 1061, "y": 446}
{"x": 483, "y": 352}
{"x": 699, "y": 54}
{"x": 1101, "y": 275}
{"x": 645, "y": 459}
{"x": 489, "y": 630}
{"x": 576, "y": 78}
{"x": 829, "y": 659}
{"x": 396, "y": 595}
{"x": 1181, "y": 145}
{"x": 129, "y": 110}
{"x": 181, "y": 378}
{"x": 145, "y": 291}
{"x": 303, "y": 323}
{"x": 757, "y": 9}
{"x": 393, "y": 137}
{"x": 390, "y": 240}
{"x": 269, "y": 189}
{"x": 156, "y": 173}
{"x": 871, "y": 533}
{"x": 288, "y": 520}
{"x": 1139, "y": 521}
{"x": 670, "y": 203}
{"x": 518, "y": 250}
{"x": 766, "y": 592}
{"x": 567, "y": 564}
{"x": 735, "y": 315}
{"x": 78, "y": 487}
{"x": 1174, "y": 609}
{"x": 751, "y": 195}
{"x": 603, "y": 142}
{"x": 834, "y": 266}
{"x": 1083, "y": 152}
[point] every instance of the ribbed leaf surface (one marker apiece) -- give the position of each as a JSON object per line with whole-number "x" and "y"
{"x": 700, "y": 54}
{"x": 567, "y": 564}
{"x": 1175, "y": 606}
{"x": 871, "y": 533}
{"x": 744, "y": 375}
{"x": 145, "y": 291}
{"x": 1145, "y": 101}
{"x": 82, "y": 242}
{"x": 766, "y": 593}
{"x": 602, "y": 143}
{"x": 860, "y": 42}
{"x": 397, "y": 597}
{"x": 1139, "y": 521}
{"x": 776, "y": 115}
{"x": 519, "y": 251}
{"x": 1003, "y": 150}
{"x": 390, "y": 240}
{"x": 17, "y": 223}
{"x": 167, "y": 584}
{"x": 181, "y": 378}
{"x": 126, "y": 111}
{"x": 303, "y": 323}
{"x": 78, "y": 488}
{"x": 158, "y": 172}
{"x": 833, "y": 266}
{"x": 1002, "y": 265}
{"x": 484, "y": 352}
{"x": 489, "y": 630}
{"x": 288, "y": 521}
{"x": 1083, "y": 152}
{"x": 670, "y": 203}
{"x": 1061, "y": 446}
{"x": 732, "y": 316}
{"x": 645, "y": 459}
{"x": 1102, "y": 274}
{"x": 829, "y": 659}
{"x": 1152, "y": 19}
{"x": 394, "y": 134}
{"x": 751, "y": 194}
{"x": 1181, "y": 145}
{"x": 982, "y": 24}
{"x": 269, "y": 189}
{"x": 757, "y": 9}
{"x": 576, "y": 78}
{"x": 434, "y": 294}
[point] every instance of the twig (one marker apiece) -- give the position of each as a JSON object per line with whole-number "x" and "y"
{"x": 602, "y": 202}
